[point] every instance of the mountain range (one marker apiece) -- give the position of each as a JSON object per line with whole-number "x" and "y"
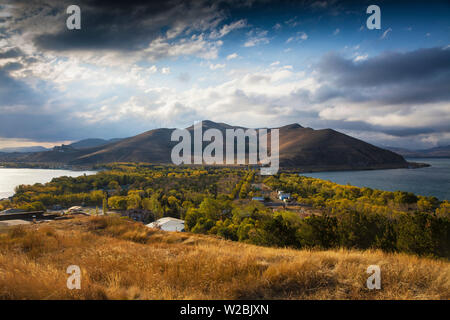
{"x": 86, "y": 143}
{"x": 24, "y": 149}
{"x": 436, "y": 152}
{"x": 300, "y": 147}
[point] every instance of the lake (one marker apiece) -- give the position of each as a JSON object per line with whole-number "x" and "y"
{"x": 11, "y": 177}
{"x": 429, "y": 181}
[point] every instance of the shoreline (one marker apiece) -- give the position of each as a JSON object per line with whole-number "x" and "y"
{"x": 282, "y": 169}
{"x": 311, "y": 169}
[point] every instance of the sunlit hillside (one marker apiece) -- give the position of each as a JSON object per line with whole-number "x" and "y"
{"x": 120, "y": 259}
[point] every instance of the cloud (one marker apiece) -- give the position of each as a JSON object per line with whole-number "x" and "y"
{"x": 319, "y": 4}
{"x": 114, "y": 25}
{"x": 8, "y": 53}
{"x": 385, "y": 33}
{"x": 399, "y": 94}
{"x": 416, "y": 76}
{"x": 228, "y": 28}
{"x": 15, "y": 94}
{"x": 232, "y": 56}
{"x": 114, "y": 32}
{"x": 338, "y": 93}
{"x": 336, "y": 32}
{"x": 361, "y": 57}
{"x": 196, "y": 46}
{"x": 216, "y": 66}
{"x": 300, "y": 36}
{"x": 184, "y": 77}
{"x": 256, "y": 37}
{"x": 292, "y": 22}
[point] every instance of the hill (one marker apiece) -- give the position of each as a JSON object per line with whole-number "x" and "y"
{"x": 120, "y": 259}
{"x": 90, "y": 143}
{"x": 437, "y": 152}
{"x": 24, "y": 149}
{"x": 300, "y": 147}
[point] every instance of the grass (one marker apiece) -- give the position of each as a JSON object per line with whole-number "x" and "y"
{"x": 120, "y": 259}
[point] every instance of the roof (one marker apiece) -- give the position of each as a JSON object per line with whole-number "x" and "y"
{"x": 12, "y": 211}
{"x": 168, "y": 224}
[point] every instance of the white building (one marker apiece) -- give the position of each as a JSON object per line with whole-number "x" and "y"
{"x": 168, "y": 224}
{"x": 74, "y": 209}
{"x": 283, "y": 195}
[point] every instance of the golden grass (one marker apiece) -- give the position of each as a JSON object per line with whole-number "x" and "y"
{"x": 125, "y": 260}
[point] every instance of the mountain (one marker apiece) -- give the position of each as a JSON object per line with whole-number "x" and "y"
{"x": 89, "y": 143}
{"x": 436, "y": 152}
{"x": 300, "y": 147}
{"x": 23, "y": 149}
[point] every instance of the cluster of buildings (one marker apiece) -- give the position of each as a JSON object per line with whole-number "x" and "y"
{"x": 281, "y": 195}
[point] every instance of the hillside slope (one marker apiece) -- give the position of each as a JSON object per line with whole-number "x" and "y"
{"x": 90, "y": 143}
{"x": 125, "y": 260}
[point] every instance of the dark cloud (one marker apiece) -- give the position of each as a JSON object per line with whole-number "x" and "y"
{"x": 14, "y": 92}
{"x": 11, "y": 53}
{"x": 12, "y": 66}
{"x": 390, "y": 67}
{"x": 361, "y": 126}
{"x": 117, "y": 25}
{"x": 419, "y": 76}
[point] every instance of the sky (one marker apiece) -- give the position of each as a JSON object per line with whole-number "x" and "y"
{"x": 137, "y": 65}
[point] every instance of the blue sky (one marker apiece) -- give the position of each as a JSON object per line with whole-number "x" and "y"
{"x": 137, "y": 65}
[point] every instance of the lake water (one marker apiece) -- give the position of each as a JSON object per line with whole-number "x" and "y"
{"x": 11, "y": 177}
{"x": 429, "y": 181}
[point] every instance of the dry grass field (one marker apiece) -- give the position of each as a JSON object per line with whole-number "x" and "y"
{"x": 120, "y": 259}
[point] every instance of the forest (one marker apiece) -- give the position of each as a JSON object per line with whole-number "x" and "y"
{"x": 217, "y": 201}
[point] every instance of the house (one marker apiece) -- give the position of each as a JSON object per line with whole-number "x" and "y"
{"x": 168, "y": 224}
{"x": 283, "y": 195}
{"x": 75, "y": 209}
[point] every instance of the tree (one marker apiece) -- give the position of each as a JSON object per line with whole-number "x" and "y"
{"x": 152, "y": 204}
{"x": 117, "y": 202}
{"x": 105, "y": 204}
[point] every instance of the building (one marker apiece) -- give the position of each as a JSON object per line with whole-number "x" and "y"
{"x": 283, "y": 195}
{"x": 21, "y": 215}
{"x": 74, "y": 209}
{"x": 9, "y": 211}
{"x": 168, "y": 224}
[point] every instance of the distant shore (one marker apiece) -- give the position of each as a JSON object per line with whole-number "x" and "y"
{"x": 51, "y": 166}
{"x": 302, "y": 169}
{"x": 307, "y": 169}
